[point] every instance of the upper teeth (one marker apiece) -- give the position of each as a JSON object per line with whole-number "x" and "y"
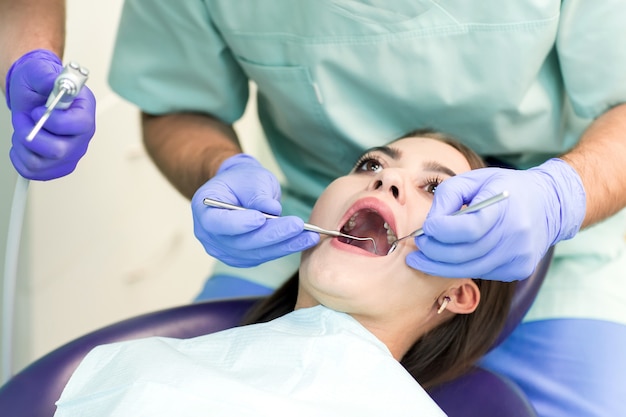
{"x": 391, "y": 236}
{"x": 351, "y": 223}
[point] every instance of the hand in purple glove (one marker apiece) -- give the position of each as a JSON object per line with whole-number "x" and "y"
{"x": 246, "y": 238}
{"x": 57, "y": 148}
{"x": 507, "y": 240}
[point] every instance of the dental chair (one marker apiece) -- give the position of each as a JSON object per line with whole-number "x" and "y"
{"x": 33, "y": 391}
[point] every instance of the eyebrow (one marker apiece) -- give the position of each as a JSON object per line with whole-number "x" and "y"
{"x": 437, "y": 167}
{"x": 393, "y": 153}
{"x": 396, "y": 154}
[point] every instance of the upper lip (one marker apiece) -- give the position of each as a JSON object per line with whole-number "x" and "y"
{"x": 370, "y": 203}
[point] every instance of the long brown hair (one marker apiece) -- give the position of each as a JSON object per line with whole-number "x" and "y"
{"x": 451, "y": 348}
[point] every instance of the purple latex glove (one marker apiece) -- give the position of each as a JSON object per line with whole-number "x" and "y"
{"x": 507, "y": 240}
{"x": 63, "y": 140}
{"x": 246, "y": 238}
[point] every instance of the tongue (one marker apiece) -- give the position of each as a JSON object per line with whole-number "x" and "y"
{"x": 368, "y": 223}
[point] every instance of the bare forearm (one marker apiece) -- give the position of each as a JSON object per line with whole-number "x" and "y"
{"x": 599, "y": 159}
{"x": 188, "y": 148}
{"x": 29, "y": 24}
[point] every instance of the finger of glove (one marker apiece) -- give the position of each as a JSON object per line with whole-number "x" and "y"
{"x": 254, "y": 257}
{"x": 34, "y": 167}
{"x": 256, "y": 230}
{"x": 446, "y": 202}
{"x": 257, "y": 200}
{"x": 32, "y": 83}
{"x": 221, "y": 221}
{"x": 243, "y": 195}
{"x": 504, "y": 264}
{"x": 455, "y": 192}
{"x": 222, "y": 224}
{"x": 463, "y": 228}
{"x": 468, "y": 188}
{"x": 458, "y": 252}
{"x": 25, "y": 162}
{"x": 47, "y": 145}
{"x": 256, "y": 189}
{"x": 476, "y": 268}
{"x": 285, "y": 247}
{"x": 277, "y": 231}
{"x": 252, "y": 248}
{"x": 228, "y": 226}
{"x": 518, "y": 269}
{"x": 77, "y": 121}
{"x": 241, "y": 180}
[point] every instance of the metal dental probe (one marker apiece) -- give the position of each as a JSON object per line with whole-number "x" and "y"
{"x": 469, "y": 209}
{"x": 66, "y": 87}
{"x": 307, "y": 226}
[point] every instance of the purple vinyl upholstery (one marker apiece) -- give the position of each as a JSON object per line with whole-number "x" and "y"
{"x": 34, "y": 390}
{"x": 482, "y": 393}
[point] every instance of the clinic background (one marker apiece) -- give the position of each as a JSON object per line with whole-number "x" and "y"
{"x": 113, "y": 239}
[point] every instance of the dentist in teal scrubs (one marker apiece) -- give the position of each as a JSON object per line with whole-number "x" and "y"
{"x": 539, "y": 86}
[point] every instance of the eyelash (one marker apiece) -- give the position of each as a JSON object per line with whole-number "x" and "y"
{"x": 364, "y": 165}
{"x": 366, "y": 159}
{"x": 434, "y": 182}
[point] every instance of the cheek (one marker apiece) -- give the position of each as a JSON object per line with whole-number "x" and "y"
{"x": 321, "y": 209}
{"x": 425, "y": 202}
{"x": 318, "y": 210}
{"x": 329, "y": 276}
{"x": 412, "y": 288}
{"x": 316, "y": 266}
{"x": 418, "y": 207}
{"x": 331, "y": 201}
{"x": 421, "y": 213}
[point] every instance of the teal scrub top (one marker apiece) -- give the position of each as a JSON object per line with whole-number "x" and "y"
{"x": 519, "y": 82}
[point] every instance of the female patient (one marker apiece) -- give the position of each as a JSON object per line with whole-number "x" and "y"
{"x": 334, "y": 336}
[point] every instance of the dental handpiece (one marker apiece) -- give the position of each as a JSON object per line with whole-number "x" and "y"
{"x": 469, "y": 209}
{"x": 307, "y": 226}
{"x": 66, "y": 87}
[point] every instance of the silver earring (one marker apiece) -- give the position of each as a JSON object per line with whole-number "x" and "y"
{"x": 444, "y": 304}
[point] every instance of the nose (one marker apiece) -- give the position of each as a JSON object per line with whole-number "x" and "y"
{"x": 390, "y": 181}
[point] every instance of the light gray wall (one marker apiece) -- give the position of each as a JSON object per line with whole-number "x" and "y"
{"x": 113, "y": 239}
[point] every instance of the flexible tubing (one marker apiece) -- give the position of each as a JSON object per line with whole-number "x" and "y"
{"x": 70, "y": 81}
{"x": 11, "y": 260}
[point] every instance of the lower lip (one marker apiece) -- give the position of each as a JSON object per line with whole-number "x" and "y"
{"x": 349, "y": 248}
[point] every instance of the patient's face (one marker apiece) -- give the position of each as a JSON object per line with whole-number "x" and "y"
{"x": 388, "y": 194}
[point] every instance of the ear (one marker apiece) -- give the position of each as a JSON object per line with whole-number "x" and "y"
{"x": 464, "y": 298}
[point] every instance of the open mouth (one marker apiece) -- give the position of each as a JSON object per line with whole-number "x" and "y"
{"x": 368, "y": 223}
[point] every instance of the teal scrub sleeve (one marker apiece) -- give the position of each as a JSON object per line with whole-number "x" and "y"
{"x": 169, "y": 57}
{"x": 590, "y": 45}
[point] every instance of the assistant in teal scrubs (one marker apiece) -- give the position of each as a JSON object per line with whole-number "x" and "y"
{"x": 519, "y": 82}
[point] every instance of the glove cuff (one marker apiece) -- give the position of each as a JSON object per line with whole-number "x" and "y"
{"x": 240, "y": 158}
{"x": 38, "y": 54}
{"x": 571, "y": 196}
